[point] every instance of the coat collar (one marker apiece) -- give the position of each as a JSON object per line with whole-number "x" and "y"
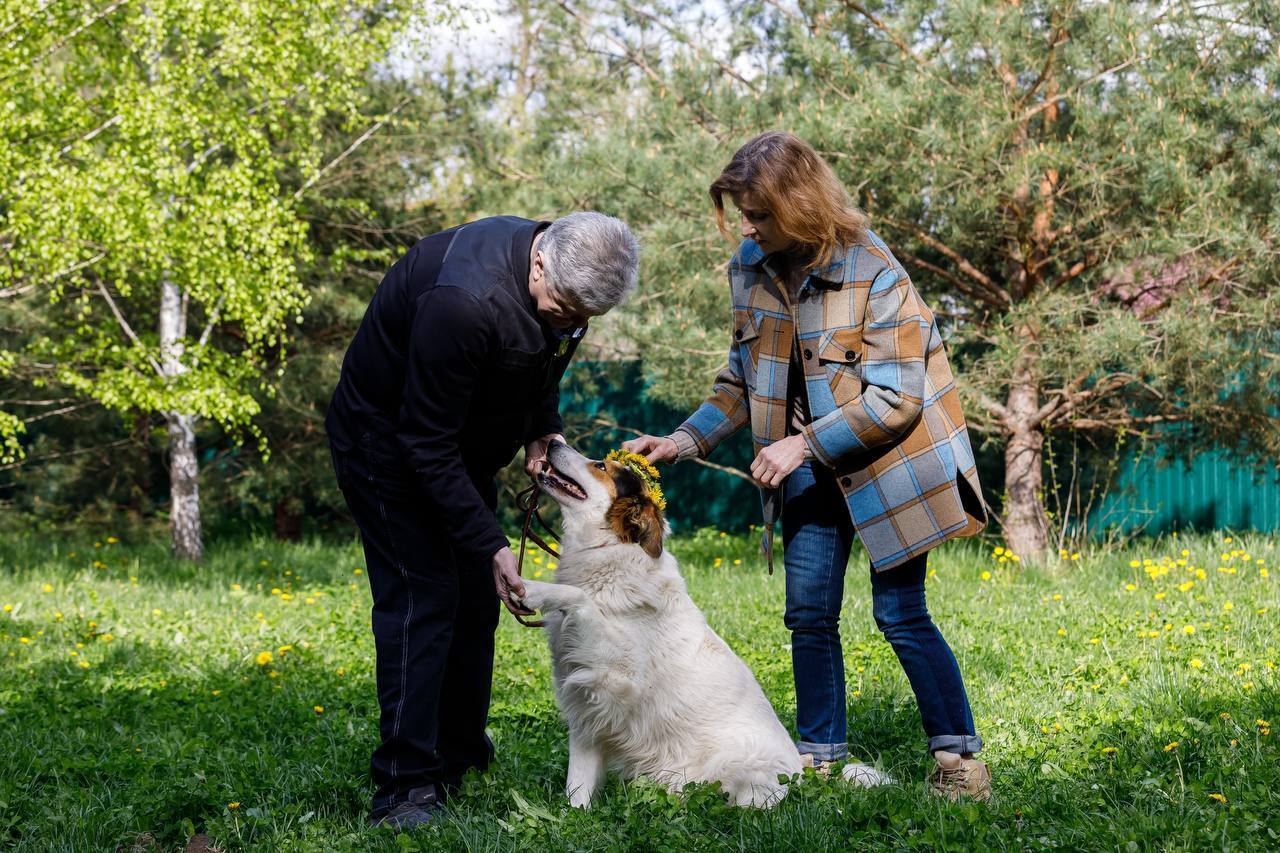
{"x": 831, "y": 276}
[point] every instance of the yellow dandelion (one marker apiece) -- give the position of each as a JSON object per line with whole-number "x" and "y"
{"x": 1159, "y": 596}
{"x": 357, "y": 571}
{"x": 216, "y": 692}
{"x": 286, "y": 597}
{"x": 84, "y": 664}
{"x": 275, "y": 590}
{"x": 1057, "y": 596}
{"x": 1062, "y": 632}
{"x": 235, "y": 587}
{"x": 263, "y": 658}
{"x": 1183, "y": 587}
{"x": 1219, "y": 797}
{"x": 1130, "y": 587}
{"x": 233, "y": 806}
{"x": 986, "y": 576}
{"x": 106, "y": 638}
{"x": 737, "y": 562}
{"x": 1133, "y": 564}
{"x": 319, "y": 709}
{"x": 998, "y": 551}
{"x": 8, "y": 608}
{"x": 1095, "y": 641}
{"x": 1262, "y": 573}
{"x": 24, "y": 640}
{"x": 1228, "y": 606}
{"x": 47, "y": 588}
{"x": 1196, "y": 663}
{"x": 1170, "y": 747}
{"x": 1109, "y": 750}
{"x": 1188, "y": 629}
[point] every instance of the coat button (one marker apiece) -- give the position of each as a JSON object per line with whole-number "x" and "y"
{"x": 737, "y": 334}
{"x": 808, "y": 354}
{"x": 850, "y": 355}
{"x": 846, "y": 482}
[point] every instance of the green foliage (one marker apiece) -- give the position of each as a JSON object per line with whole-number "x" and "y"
{"x": 170, "y": 141}
{"x": 1085, "y": 193}
{"x": 137, "y": 707}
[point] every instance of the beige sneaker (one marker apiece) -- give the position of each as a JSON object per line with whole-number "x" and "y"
{"x": 971, "y": 779}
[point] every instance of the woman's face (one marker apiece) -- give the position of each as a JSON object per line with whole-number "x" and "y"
{"x": 758, "y": 224}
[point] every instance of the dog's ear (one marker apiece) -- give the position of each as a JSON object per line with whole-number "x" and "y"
{"x": 638, "y": 520}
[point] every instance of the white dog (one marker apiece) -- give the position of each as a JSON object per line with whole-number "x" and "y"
{"x": 644, "y": 685}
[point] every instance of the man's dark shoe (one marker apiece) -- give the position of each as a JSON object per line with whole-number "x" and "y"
{"x": 421, "y": 807}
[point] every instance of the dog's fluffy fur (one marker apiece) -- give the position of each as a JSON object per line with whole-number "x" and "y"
{"x": 644, "y": 684}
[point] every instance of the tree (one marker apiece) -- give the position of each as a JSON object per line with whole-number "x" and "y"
{"x": 1084, "y": 192}
{"x": 155, "y": 157}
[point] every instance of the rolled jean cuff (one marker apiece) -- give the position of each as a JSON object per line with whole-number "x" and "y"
{"x": 824, "y": 751}
{"x": 954, "y": 743}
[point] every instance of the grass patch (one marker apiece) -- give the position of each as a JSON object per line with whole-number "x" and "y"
{"x": 1123, "y": 706}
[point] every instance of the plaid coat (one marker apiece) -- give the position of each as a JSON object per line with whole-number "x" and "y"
{"x": 884, "y": 410}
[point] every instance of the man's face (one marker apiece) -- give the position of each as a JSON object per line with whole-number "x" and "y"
{"x": 760, "y": 225}
{"x": 557, "y": 310}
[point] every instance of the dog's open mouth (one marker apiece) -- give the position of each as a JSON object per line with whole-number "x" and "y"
{"x": 553, "y": 480}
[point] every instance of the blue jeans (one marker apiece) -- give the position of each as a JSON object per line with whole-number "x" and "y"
{"x": 818, "y": 534}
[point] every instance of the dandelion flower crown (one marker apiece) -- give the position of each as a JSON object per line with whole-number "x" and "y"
{"x": 642, "y": 468}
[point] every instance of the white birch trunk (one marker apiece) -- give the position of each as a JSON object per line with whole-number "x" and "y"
{"x": 184, "y": 486}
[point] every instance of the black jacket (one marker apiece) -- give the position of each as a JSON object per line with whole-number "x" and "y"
{"x": 453, "y": 370}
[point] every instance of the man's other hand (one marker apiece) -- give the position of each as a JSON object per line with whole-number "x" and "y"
{"x": 506, "y": 580}
{"x": 535, "y": 453}
{"x": 655, "y": 448}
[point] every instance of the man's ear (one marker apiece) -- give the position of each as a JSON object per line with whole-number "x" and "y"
{"x": 638, "y": 520}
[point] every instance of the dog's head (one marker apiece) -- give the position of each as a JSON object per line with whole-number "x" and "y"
{"x": 604, "y": 494}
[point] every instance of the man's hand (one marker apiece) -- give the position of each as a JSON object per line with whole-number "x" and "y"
{"x": 778, "y": 460}
{"x": 535, "y": 453}
{"x": 655, "y": 448}
{"x": 507, "y": 582}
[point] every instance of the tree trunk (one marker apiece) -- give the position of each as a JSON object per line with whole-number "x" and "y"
{"x": 184, "y": 489}
{"x": 184, "y": 469}
{"x": 1026, "y": 527}
{"x": 287, "y": 522}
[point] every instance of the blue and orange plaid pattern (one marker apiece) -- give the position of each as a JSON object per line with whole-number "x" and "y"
{"x": 885, "y": 413}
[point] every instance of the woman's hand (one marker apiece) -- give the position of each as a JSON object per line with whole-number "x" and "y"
{"x": 655, "y": 448}
{"x": 778, "y": 460}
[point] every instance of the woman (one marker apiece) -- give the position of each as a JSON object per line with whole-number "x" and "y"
{"x": 839, "y": 368}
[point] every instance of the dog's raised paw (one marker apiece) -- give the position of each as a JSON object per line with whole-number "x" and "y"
{"x": 865, "y": 775}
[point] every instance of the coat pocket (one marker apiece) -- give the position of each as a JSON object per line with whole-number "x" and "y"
{"x": 840, "y": 356}
{"x": 746, "y": 335}
{"x": 843, "y": 346}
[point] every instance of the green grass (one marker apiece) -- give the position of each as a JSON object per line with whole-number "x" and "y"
{"x": 136, "y": 711}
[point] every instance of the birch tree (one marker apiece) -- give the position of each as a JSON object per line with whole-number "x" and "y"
{"x": 155, "y": 158}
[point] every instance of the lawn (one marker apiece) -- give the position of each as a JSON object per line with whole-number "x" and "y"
{"x": 1125, "y": 699}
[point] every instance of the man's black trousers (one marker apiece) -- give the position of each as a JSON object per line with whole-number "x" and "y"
{"x": 433, "y": 624}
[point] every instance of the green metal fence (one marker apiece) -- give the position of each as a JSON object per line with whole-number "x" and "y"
{"x": 1216, "y": 492}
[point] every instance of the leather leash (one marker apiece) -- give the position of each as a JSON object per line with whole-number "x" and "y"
{"x": 528, "y": 501}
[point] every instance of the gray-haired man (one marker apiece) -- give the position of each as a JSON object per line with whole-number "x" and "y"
{"x": 456, "y": 365}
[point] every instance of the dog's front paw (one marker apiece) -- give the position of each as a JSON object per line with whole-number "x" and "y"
{"x": 536, "y": 594}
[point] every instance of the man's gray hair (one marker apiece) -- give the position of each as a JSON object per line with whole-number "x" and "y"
{"x": 591, "y": 258}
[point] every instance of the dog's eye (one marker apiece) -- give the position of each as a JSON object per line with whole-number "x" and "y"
{"x": 600, "y": 465}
